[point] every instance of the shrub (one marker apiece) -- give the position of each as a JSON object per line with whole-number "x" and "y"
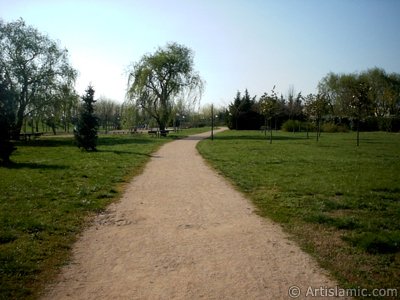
{"x": 332, "y": 127}
{"x": 292, "y": 126}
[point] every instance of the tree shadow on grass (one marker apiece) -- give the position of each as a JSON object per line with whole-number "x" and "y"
{"x": 259, "y": 137}
{"x": 70, "y": 141}
{"x": 28, "y": 165}
{"x": 110, "y": 141}
{"x": 119, "y": 152}
{"x": 53, "y": 142}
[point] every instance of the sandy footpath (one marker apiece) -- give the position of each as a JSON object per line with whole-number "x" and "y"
{"x": 181, "y": 231}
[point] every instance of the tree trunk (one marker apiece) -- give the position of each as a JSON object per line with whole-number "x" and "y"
{"x": 18, "y": 125}
{"x": 236, "y": 121}
{"x": 270, "y": 131}
{"x": 358, "y": 132}
{"x": 265, "y": 128}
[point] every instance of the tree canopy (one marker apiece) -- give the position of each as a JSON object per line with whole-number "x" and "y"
{"x": 369, "y": 93}
{"x": 158, "y": 80}
{"x": 86, "y": 128}
{"x": 33, "y": 67}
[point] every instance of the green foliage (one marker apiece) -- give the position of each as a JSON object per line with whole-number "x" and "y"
{"x": 86, "y": 128}
{"x": 293, "y": 126}
{"x": 242, "y": 113}
{"x": 47, "y": 193}
{"x": 34, "y": 66}
{"x": 372, "y": 92}
{"x": 340, "y": 202}
{"x": 268, "y": 104}
{"x": 332, "y": 127}
{"x": 159, "y": 80}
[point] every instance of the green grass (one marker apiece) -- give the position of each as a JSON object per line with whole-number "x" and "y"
{"x": 49, "y": 192}
{"x": 339, "y": 201}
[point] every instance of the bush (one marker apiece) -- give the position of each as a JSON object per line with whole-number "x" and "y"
{"x": 292, "y": 126}
{"x": 332, "y": 127}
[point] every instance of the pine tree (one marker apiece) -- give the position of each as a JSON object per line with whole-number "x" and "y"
{"x": 86, "y": 128}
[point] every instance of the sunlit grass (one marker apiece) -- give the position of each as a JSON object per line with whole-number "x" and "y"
{"x": 48, "y": 193}
{"x": 339, "y": 201}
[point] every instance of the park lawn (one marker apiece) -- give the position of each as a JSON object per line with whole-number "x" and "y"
{"x": 49, "y": 194}
{"x": 340, "y": 202}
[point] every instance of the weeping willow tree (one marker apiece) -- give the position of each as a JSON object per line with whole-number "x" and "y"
{"x": 158, "y": 81}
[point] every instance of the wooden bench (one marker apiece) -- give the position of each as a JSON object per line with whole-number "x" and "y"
{"x": 158, "y": 133}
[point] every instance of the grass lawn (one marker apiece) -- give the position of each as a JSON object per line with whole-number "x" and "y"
{"x": 47, "y": 195}
{"x": 340, "y": 202}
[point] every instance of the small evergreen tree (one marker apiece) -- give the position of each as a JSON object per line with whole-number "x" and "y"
{"x": 86, "y": 128}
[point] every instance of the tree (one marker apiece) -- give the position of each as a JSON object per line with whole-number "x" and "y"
{"x": 86, "y": 129}
{"x": 294, "y": 106}
{"x": 105, "y": 111}
{"x": 243, "y": 113}
{"x": 381, "y": 102}
{"x": 33, "y": 65}
{"x": 331, "y": 87}
{"x": 7, "y": 117}
{"x": 69, "y": 102}
{"x": 130, "y": 116}
{"x": 315, "y": 108}
{"x": 356, "y": 96}
{"x": 160, "y": 79}
{"x": 234, "y": 111}
{"x": 268, "y": 106}
{"x": 360, "y": 104}
{"x": 383, "y": 94}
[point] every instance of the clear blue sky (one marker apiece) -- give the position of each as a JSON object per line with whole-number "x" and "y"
{"x": 238, "y": 44}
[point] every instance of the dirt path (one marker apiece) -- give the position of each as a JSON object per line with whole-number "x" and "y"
{"x": 181, "y": 231}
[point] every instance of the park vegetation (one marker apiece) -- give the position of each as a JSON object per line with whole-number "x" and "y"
{"x": 339, "y": 202}
{"x": 49, "y": 189}
{"x": 49, "y": 192}
{"x": 37, "y": 93}
{"x": 159, "y": 81}
{"x": 36, "y": 79}
{"x": 86, "y": 128}
{"x": 366, "y": 101}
